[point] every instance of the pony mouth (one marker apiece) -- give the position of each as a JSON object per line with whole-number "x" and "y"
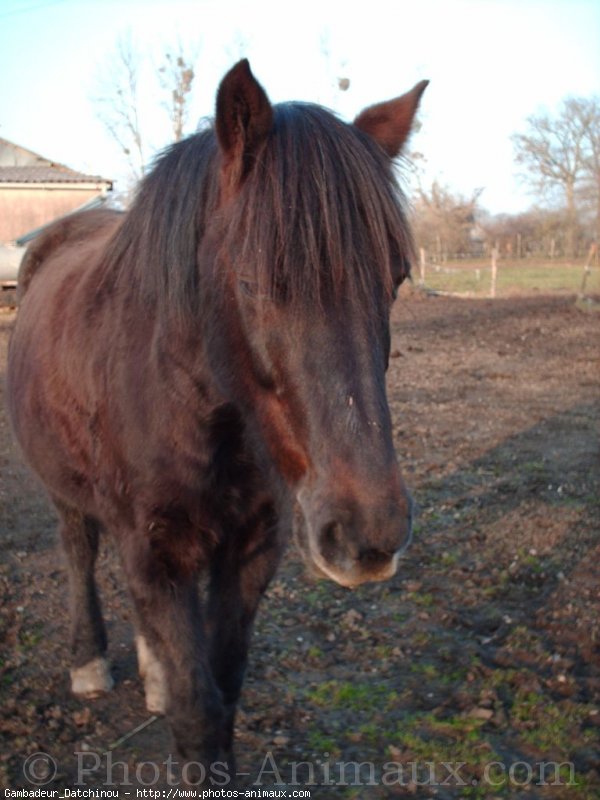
{"x": 355, "y": 575}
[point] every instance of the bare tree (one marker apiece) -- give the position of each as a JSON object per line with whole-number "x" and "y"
{"x": 590, "y": 118}
{"x": 335, "y": 68}
{"x": 554, "y": 154}
{"x": 118, "y": 102}
{"x": 444, "y": 222}
{"x": 176, "y": 76}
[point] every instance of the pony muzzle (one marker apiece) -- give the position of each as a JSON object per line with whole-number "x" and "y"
{"x": 351, "y": 549}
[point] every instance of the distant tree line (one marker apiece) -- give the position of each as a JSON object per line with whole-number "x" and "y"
{"x": 559, "y": 160}
{"x": 445, "y": 223}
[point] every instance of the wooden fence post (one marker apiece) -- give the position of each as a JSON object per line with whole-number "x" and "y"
{"x": 422, "y": 265}
{"x": 587, "y": 269}
{"x": 494, "y": 271}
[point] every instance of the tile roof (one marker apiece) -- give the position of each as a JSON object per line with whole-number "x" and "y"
{"x": 47, "y": 174}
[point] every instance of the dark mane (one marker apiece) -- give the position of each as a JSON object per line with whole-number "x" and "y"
{"x": 319, "y": 214}
{"x": 155, "y": 250}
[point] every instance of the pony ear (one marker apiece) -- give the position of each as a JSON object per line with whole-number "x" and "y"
{"x": 390, "y": 123}
{"x": 244, "y": 119}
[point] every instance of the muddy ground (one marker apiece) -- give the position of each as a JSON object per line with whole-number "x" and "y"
{"x": 474, "y": 673}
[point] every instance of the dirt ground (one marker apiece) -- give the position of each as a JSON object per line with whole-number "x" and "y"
{"x": 474, "y": 673}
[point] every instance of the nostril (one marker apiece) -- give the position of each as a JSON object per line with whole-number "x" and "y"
{"x": 330, "y": 540}
{"x": 374, "y": 558}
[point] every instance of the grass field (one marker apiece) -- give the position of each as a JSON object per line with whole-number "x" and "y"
{"x": 473, "y": 277}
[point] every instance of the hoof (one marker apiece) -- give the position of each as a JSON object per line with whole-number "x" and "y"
{"x": 92, "y": 679}
{"x": 153, "y": 675}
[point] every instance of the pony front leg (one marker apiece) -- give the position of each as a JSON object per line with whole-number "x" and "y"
{"x": 240, "y": 573}
{"x": 90, "y": 672}
{"x": 173, "y": 646}
{"x": 152, "y": 672}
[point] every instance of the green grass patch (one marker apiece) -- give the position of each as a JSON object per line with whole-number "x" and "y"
{"x": 426, "y": 739}
{"x": 429, "y": 671}
{"x": 424, "y": 599}
{"x": 354, "y": 697}
{"x": 30, "y": 637}
{"x": 550, "y": 726}
{"x": 513, "y": 276}
{"x": 321, "y": 743}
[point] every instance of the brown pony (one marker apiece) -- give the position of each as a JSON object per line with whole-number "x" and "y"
{"x": 193, "y": 374}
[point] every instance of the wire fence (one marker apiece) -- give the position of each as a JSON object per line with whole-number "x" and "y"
{"x": 497, "y": 277}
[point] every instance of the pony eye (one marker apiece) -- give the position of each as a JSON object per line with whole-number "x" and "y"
{"x": 249, "y": 288}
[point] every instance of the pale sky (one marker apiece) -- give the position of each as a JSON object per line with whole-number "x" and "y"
{"x": 491, "y": 63}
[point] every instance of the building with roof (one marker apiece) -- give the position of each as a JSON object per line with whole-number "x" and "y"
{"x": 34, "y": 191}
